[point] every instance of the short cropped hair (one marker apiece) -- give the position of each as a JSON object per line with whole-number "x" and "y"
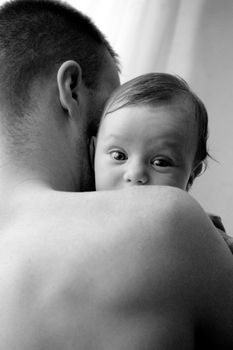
{"x": 158, "y": 89}
{"x": 36, "y": 36}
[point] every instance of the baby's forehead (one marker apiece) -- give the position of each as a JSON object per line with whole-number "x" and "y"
{"x": 181, "y": 108}
{"x": 181, "y": 102}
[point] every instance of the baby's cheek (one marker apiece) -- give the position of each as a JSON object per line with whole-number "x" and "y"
{"x": 98, "y": 178}
{"x": 113, "y": 180}
{"x": 102, "y": 179}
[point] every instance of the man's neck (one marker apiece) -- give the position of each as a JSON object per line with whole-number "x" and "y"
{"x": 14, "y": 176}
{"x": 38, "y": 155}
{"x": 21, "y": 170}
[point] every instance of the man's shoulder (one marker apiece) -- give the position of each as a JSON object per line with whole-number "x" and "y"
{"x": 139, "y": 202}
{"x": 146, "y": 212}
{"x": 147, "y": 252}
{"x": 152, "y": 209}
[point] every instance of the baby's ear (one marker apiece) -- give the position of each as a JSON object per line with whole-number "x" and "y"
{"x": 92, "y": 150}
{"x": 197, "y": 170}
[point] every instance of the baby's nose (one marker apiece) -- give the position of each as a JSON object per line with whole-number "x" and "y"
{"x": 136, "y": 175}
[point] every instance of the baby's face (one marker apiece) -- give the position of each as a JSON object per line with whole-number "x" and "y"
{"x": 146, "y": 145}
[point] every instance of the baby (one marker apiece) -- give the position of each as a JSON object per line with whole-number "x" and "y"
{"x": 153, "y": 131}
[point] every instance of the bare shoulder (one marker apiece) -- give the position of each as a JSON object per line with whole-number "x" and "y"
{"x": 181, "y": 262}
{"x": 167, "y": 249}
{"x": 134, "y": 267}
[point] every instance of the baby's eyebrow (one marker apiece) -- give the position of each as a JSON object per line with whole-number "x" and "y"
{"x": 176, "y": 145}
{"x": 116, "y": 136}
{"x": 173, "y": 146}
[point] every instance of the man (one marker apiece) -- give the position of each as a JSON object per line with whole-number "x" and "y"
{"x": 131, "y": 269}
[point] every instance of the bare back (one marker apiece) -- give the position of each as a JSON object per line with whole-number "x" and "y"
{"x": 136, "y": 269}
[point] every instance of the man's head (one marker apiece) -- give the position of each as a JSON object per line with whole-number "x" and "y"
{"x": 153, "y": 131}
{"x": 53, "y": 61}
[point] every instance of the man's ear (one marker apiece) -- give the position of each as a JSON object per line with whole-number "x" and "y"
{"x": 69, "y": 78}
{"x": 92, "y": 150}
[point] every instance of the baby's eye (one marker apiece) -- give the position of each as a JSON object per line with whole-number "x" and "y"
{"x": 118, "y": 155}
{"x": 161, "y": 162}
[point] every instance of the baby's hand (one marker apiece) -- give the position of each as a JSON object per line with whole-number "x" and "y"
{"x": 219, "y": 225}
{"x": 217, "y": 221}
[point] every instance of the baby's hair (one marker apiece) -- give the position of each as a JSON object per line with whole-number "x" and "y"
{"x": 158, "y": 89}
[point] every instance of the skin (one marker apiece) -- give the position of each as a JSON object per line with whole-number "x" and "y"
{"x": 146, "y": 145}
{"x": 101, "y": 270}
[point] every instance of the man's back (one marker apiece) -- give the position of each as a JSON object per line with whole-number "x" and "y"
{"x": 140, "y": 269}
